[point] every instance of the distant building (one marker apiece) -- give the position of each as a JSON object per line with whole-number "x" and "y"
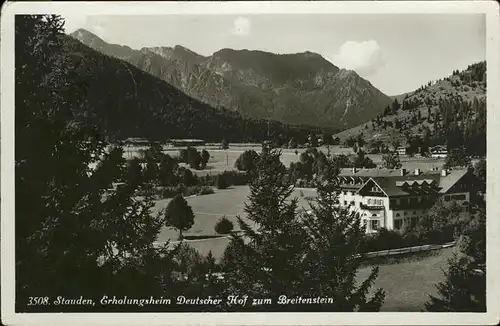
{"x": 136, "y": 141}
{"x": 394, "y": 198}
{"x": 401, "y": 150}
{"x": 438, "y": 151}
{"x": 186, "y": 142}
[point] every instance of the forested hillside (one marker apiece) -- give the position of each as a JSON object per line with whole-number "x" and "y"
{"x": 449, "y": 111}
{"x": 125, "y": 101}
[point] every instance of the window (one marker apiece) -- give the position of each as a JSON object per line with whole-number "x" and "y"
{"x": 374, "y": 224}
{"x": 345, "y": 202}
{"x": 414, "y": 220}
{"x": 397, "y": 214}
{"x": 458, "y": 197}
{"x": 374, "y": 215}
{"x": 398, "y": 224}
{"x": 446, "y": 198}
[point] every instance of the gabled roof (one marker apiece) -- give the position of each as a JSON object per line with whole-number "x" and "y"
{"x": 393, "y": 183}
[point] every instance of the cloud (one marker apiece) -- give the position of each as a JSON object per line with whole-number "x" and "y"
{"x": 73, "y": 21}
{"x": 242, "y": 26}
{"x": 363, "y": 57}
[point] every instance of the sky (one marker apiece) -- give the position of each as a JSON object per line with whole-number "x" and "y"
{"x": 397, "y": 53}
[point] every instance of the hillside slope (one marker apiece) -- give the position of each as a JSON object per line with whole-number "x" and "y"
{"x": 128, "y": 102}
{"x": 457, "y": 103}
{"x": 301, "y": 88}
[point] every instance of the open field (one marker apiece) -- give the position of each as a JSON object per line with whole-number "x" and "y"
{"x": 222, "y": 160}
{"x": 406, "y": 283}
{"x": 209, "y": 209}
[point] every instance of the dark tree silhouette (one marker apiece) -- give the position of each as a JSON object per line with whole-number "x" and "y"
{"x": 290, "y": 254}
{"x": 391, "y": 161}
{"x": 179, "y": 215}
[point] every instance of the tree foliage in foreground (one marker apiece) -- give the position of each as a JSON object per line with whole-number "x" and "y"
{"x": 294, "y": 254}
{"x": 464, "y": 287}
{"x": 73, "y": 237}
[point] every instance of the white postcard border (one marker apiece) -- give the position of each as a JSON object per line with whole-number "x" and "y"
{"x": 490, "y": 8}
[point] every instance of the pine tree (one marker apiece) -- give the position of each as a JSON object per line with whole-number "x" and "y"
{"x": 151, "y": 172}
{"x": 133, "y": 173}
{"x": 334, "y": 238}
{"x": 205, "y": 156}
{"x": 166, "y": 170}
{"x": 179, "y": 215}
{"x": 224, "y": 144}
{"x": 292, "y": 143}
{"x": 283, "y": 252}
{"x": 464, "y": 287}
{"x": 260, "y": 261}
{"x": 391, "y": 161}
{"x": 456, "y": 292}
{"x": 72, "y": 238}
{"x": 457, "y": 157}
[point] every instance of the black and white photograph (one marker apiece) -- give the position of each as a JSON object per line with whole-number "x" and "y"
{"x": 323, "y": 160}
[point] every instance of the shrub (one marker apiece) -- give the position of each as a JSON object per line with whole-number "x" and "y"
{"x": 224, "y": 226}
{"x": 204, "y": 190}
{"x": 247, "y": 160}
{"x": 171, "y": 192}
{"x": 222, "y": 182}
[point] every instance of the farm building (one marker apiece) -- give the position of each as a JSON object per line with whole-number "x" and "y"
{"x": 438, "y": 151}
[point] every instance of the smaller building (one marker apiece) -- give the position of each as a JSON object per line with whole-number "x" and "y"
{"x": 186, "y": 142}
{"x": 438, "y": 151}
{"x": 133, "y": 141}
{"x": 401, "y": 150}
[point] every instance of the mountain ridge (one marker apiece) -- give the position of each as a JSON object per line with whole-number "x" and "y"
{"x": 125, "y": 101}
{"x": 296, "y": 88}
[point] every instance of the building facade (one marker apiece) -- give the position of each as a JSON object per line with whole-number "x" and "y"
{"x": 438, "y": 151}
{"x": 395, "y": 199}
{"x": 401, "y": 150}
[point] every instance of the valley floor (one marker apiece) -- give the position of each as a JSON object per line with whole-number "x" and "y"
{"x": 407, "y": 283}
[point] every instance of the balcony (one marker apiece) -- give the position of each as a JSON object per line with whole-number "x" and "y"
{"x": 371, "y": 206}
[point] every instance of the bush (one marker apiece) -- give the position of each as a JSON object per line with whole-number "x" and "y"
{"x": 204, "y": 190}
{"x": 224, "y": 226}
{"x": 247, "y": 160}
{"x": 170, "y": 192}
{"x": 222, "y": 182}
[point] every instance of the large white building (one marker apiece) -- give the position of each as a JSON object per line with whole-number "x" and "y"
{"x": 393, "y": 199}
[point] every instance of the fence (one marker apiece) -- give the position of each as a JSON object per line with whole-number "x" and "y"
{"x": 407, "y": 250}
